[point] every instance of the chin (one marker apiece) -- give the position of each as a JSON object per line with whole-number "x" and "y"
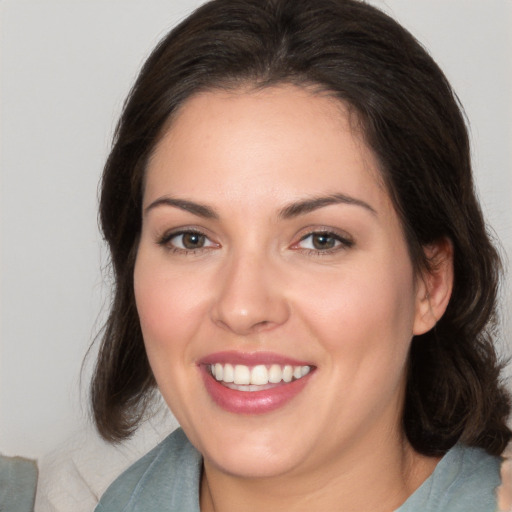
{"x": 251, "y": 452}
{"x": 253, "y": 463}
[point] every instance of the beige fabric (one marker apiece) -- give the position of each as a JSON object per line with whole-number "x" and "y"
{"x": 73, "y": 477}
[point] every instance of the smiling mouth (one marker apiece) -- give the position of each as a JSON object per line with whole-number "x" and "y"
{"x": 256, "y": 378}
{"x": 253, "y": 383}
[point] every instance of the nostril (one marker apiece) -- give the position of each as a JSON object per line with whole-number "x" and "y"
{"x": 261, "y": 325}
{"x": 248, "y": 307}
{"x": 245, "y": 326}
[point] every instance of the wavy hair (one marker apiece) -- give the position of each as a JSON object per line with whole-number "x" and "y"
{"x": 410, "y": 118}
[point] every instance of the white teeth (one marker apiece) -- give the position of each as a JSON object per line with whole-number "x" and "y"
{"x": 275, "y": 374}
{"x": 288, "y": 373}
{"x": 242, "y": 374}
{"x": 229, "y": 373}
{"x": 259, "y": 375}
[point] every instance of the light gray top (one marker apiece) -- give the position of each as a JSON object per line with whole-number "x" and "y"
{"x": 167, "y": 479}
{"x": 18, "y": 480}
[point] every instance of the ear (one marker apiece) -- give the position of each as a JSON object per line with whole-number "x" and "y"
{"x": 434, "y": 286}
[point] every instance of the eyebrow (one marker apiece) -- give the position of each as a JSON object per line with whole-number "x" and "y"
{"x": 308, "y": 205}
{"x": 200, "y": 210}
{"x": 294, "y": 209}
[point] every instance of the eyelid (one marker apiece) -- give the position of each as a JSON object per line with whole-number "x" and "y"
{"x": 345, "y": 241}
{"x": 166, "y": 238}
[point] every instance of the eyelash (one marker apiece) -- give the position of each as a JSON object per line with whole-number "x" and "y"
{"x": 166, "y": 241}
{"x": 340, "y": 242}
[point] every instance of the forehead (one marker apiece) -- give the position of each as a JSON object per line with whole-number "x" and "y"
{"x": 268, "y": 140}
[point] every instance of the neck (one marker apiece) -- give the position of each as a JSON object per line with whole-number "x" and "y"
{"x": 379, "y": 476}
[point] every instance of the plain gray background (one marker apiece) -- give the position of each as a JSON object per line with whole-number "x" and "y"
{"x": 66, "y": 67}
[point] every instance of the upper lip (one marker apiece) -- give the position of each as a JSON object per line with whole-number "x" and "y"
{"x": 251, "y": 359}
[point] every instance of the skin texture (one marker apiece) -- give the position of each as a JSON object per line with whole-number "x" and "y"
{"x": 257, "y": 284}
{"x": 504, "y": 491}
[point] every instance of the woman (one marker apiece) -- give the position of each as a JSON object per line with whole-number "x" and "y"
{"x": 302, "y": 269}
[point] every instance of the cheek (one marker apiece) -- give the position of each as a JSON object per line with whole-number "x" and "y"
{"x": 366, "y": 314}
{"x": 167, "y": 304}
{"x": 169, "y": 308}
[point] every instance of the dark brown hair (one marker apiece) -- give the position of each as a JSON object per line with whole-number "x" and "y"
{"x": 410, "y": 118}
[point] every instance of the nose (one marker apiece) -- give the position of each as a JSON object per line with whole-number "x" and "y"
{"x": 251, "y": 296}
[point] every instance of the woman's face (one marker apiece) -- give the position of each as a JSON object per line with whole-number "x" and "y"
{"x": 271, "y": 257}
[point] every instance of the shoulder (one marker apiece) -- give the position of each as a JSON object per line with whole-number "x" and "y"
{"x": 465, "y": 480}
{"x": 165, "y": 479}
{"x": 470, "y": 478}
{"x": 76, "y": 472}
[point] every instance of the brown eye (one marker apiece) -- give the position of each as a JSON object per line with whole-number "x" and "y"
{"x": 192, "y": 240}
{"x": 187, "y": 241}
{"x": 323, "y": 241}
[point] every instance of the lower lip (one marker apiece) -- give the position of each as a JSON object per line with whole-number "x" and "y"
{"x": 252, "y": 402}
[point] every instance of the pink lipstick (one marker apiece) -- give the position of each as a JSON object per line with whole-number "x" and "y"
{"x": 253, "y": 383}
